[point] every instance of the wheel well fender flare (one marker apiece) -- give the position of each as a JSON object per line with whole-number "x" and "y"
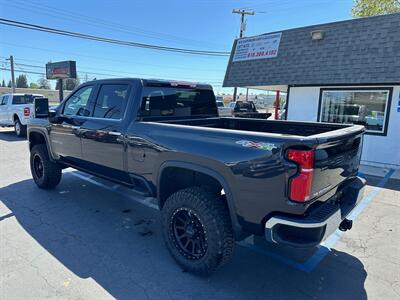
{"x": 237, "y": 228}
{"x": 45, "y": 138}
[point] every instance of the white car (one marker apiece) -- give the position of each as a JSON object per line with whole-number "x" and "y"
{"x": 223, "y": 111}
{"x": 15, "y": 110}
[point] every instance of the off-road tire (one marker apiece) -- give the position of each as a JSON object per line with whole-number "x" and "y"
{"x": 213, "y": 215}
{"x": 19, "y": 129}
{"x": 51, "y": 172}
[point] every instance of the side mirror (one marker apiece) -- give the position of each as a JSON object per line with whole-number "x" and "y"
{"x": 41, "y": 108}
{"x": 83, "y": 112}
{"x": 52, "y": 114}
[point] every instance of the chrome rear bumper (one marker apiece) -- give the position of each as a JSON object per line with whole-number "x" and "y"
{"x": 318, "y": 224}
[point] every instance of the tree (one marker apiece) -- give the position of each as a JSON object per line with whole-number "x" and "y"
{"x": 68, "y": 84}
{"x": 34, "y": 85}
{"x": 3, "y": 83}
{"x": 21, "y": 81}
{"x": 43, "y": 83}
{"x": 367, "y": 8}
{"x": 9, "y": 84}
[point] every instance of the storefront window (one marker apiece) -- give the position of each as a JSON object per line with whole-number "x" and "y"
{"x": 363, "y": 107}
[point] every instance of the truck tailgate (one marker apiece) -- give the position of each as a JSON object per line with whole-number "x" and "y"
{"x": 337, "y": 158}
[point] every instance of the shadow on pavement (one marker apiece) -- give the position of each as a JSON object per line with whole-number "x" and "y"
{"x": 9, "y": 136}
{"x": 390, "y": 184}
{"x": 117, "y": 242}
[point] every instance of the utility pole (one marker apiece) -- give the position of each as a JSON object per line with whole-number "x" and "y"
{"x": 60, "y": 90}
{"x": 11, "y": 59}
{"x": 242, "y": 12}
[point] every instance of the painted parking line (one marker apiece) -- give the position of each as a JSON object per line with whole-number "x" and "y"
{"x": 371, "y": 195}
{"x": 6, "y": 216}
{"x": 325, "y": 247}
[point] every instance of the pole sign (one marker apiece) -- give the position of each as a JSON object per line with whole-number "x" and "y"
{"x": 61, "y": 70}
{"x": 257, "y": 47}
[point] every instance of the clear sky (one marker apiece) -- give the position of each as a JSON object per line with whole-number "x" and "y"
{"x": 195, "y": 24}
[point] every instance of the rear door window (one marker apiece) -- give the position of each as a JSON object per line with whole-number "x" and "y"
{"x": 111, "y": 101}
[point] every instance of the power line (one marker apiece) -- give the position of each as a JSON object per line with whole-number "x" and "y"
{"x": 94, "y": 21}
{"x": 83, "y": 72}
{"x": 23, "y": 70}
{"x": 102, "y": 58}
{"x": 29, "y": 72}
{"x": 108, "y": 74}
{"x": 32, "y": 66}
{"x": 105, "y": 74}
{"x": 31, "y": 26}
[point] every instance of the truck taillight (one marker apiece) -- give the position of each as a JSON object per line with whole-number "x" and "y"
{"x": 27, "y": 111}
{"x": 300, "y": 186}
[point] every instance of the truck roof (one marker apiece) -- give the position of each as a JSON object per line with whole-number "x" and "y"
{"x": 21, "y": 94}
{"x": 149, "y": 82}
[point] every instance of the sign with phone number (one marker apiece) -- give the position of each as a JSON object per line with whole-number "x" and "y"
{"x": 258, "y": 47}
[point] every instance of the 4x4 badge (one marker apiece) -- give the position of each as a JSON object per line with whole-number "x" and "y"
{"x": 257, "y": 145}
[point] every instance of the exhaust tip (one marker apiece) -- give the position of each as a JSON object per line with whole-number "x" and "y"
{"x": 346, "y": 225}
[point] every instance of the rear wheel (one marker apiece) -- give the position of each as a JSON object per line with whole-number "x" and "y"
{"x": 45, "y": 173}
{"x": 197, "y": 230}
{"x": 20, "y": 130}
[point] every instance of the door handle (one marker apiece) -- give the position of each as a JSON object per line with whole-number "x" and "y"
{"x": 116, "y": 133}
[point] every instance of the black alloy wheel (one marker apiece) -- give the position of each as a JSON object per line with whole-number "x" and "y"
{"x": 197, "y": 230}
{"x": 189, "y": 234}
{"x": 38, "y": 166}
{"x": 46, "y": 173}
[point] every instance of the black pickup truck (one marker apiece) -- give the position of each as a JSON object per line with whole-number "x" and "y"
{"x": 216, "y": 179}
{"x": 247, "y": 109}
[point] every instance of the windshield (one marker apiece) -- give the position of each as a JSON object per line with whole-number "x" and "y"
{"x": 177, "y": 102}
{"x": 220, "y": 104}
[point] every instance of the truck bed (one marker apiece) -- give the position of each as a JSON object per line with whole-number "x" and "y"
{"x": 337, "y": 146}
{"x": 258, "y": 125}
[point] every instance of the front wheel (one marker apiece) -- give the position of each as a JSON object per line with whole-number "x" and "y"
{"x": 45, "y": 173}
{"x": 19, "y": 129}
{"x": 197, "y": 230}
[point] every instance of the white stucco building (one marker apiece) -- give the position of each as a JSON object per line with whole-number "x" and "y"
{"x": 382, "y": 140}
{"x": 342, "y": 72}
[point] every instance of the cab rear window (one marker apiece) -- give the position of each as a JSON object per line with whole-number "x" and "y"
{"x": 245, "y": 106}
{"x": 22, "y": 99}
{"x": 177, "y": 102}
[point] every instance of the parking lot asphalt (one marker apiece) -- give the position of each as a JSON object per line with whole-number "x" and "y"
{"x": 91, "y": 239}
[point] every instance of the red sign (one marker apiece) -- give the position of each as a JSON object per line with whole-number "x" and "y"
{"x": 61, "y": 70}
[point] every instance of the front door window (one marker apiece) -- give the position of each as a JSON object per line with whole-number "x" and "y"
{"x": 78, "y": 103}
